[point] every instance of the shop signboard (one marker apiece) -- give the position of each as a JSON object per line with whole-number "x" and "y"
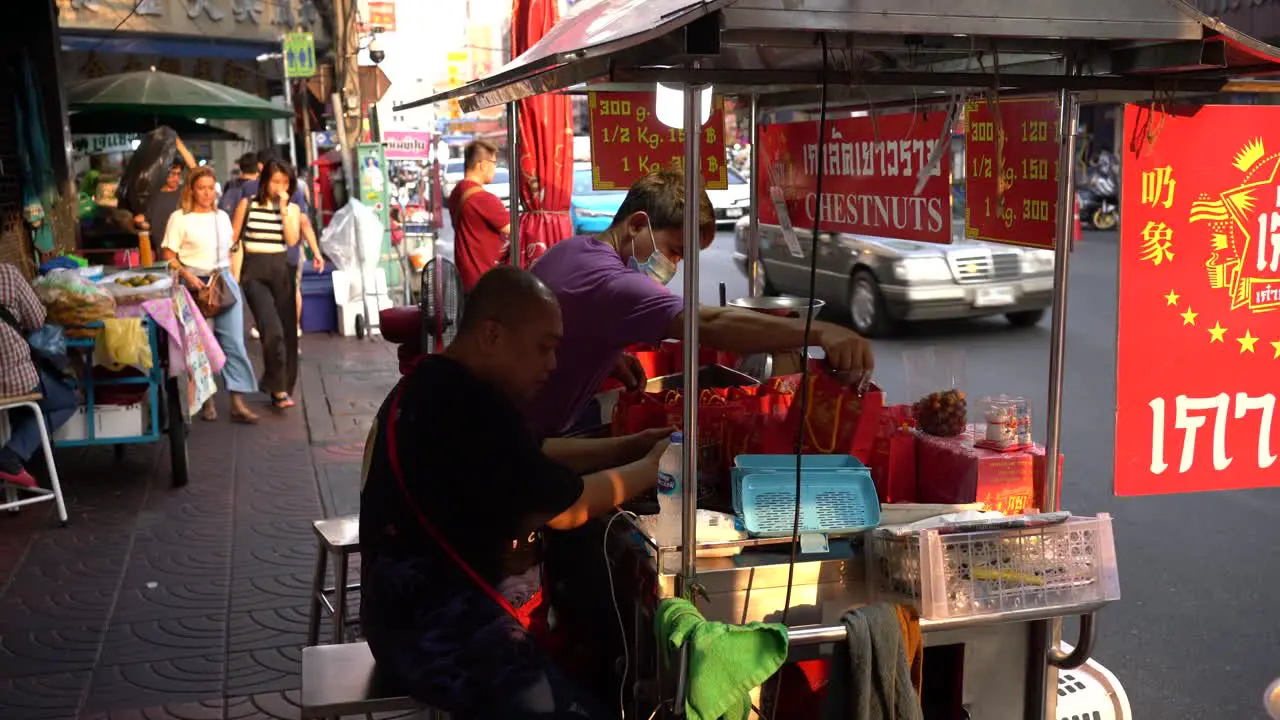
{"x": 379, "y": 15}
{"x": 99, "y": 144}
{"x": 870, "y": 172}
{"x": 299, "y": 55}
{"x": 1011, "y": 171}
{"x": 1198, "y": 350}
{"x": 628, "y": 141}
{"x": 374, "y": 193}
{"x": 407, "y": 144}
{"x": 241, "y": 20}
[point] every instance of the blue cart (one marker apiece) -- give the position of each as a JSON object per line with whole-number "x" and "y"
{"x": 162, "y": 391}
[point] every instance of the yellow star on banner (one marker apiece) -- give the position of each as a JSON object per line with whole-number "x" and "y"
{"x": 1247, "y": 342}
{"x": 1217, "y": 331}
{"x": 1172, "y": 298}
{"x": 1189, "y": 317}
{"x": 1276, "y": 345}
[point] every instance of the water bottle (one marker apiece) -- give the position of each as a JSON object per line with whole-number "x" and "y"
{"x": 670, "y": 492}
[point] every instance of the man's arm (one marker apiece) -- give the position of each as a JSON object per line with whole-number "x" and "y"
{"x": 603, "y": 491}
{"x": 187, "y": 157}
{"x": 743, "y": 331}
{"x": 588, "y": 455}
{"x": 31, "y": 312}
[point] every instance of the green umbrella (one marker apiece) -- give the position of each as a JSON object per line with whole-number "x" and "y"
{"x": 153, "y": 92}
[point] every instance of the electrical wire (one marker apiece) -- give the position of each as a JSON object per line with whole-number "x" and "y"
{"x": 805, "y": 391}
{"x": 617, "y": 610}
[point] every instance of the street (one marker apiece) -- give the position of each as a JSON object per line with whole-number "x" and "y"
{"x": 1192, "y": 637}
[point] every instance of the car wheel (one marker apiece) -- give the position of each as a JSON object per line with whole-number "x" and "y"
{"x": 1025, "y": 318}
{"x": 867, "y": 307}
{"x": 1105, "y": 219}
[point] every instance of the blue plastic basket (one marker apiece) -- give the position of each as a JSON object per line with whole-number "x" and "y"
{"x": 744, "y": 465}
{"x": 841, "y": 501}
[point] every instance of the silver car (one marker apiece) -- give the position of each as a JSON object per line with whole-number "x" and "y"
{"x": 882, "y": 281}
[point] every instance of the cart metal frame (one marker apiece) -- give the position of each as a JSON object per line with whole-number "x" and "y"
{"x": 890, "y": 53}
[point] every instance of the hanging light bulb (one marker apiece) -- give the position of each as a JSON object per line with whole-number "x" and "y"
{"x": 669, "y": 105}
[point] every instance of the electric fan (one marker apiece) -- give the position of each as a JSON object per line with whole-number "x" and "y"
{"x": 440, "y": 303}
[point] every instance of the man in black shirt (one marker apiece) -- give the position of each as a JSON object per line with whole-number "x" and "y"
{"x": 456, "y": 495}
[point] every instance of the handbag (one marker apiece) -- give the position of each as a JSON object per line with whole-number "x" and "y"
{"x": 215, "y": 297}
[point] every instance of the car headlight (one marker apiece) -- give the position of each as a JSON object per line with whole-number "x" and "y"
{"x": 922, "y": 269}
{"x": 593, "y": 213}
{"x": 1037, "y": 262}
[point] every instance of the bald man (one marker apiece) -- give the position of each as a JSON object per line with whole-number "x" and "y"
{"x": 457, "y": 494}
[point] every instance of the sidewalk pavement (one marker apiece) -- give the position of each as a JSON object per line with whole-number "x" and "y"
{"x": 186, "y": 603}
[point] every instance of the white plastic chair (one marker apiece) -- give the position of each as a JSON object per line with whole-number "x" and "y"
{"x": 13, "y": 494}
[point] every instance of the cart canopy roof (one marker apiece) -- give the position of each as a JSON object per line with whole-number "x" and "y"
{"x": 878, "y": 50}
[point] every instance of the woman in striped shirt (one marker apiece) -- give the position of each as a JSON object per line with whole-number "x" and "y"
{"x": 268, "y": 226}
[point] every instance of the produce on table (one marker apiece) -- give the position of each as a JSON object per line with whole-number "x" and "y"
{"x": 945, "y": 414}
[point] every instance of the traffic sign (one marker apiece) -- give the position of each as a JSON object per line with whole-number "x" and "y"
{"x": 299, "y": 55}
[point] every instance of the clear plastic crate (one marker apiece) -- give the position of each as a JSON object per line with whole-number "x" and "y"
{"x": 981, "y": 573}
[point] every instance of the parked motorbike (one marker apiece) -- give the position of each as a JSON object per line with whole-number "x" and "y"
{"x": 1100, "y": 201}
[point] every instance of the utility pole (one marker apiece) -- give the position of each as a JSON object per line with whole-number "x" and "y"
{"x": 346, "y": 53}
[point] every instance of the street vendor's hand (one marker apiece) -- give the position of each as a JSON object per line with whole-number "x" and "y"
{"x": 648, "y": 444}
{"x": 848, "y": 353}
{"x": 629, "y": 372}
{"x": 191, "y": 280}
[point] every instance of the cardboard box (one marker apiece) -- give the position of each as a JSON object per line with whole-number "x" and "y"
{"x": 952, "y": 470}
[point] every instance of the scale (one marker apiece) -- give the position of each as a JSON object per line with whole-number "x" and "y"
{"x": 767, "y": 365}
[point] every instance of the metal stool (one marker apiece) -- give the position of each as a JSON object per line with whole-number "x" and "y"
{"x": 12, "y": 493}
{"x": 339, "y": 537}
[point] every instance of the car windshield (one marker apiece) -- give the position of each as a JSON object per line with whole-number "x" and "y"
{"x": 454, "y": 167}
{"x": 735, "y": 178}
{"x": 582, "y": 185}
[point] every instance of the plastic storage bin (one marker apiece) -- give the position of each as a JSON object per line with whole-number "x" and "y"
{"x": 830, "y": 502}
{"x": 319, "y": 312}
{"x": 744, "y": 465}
{"x": 981, "y": 573}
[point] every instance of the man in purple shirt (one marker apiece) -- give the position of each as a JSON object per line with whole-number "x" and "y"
{"x": 612, "y": 292}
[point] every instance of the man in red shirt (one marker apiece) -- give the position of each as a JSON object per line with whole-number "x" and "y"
{"x": 480, "y": 222}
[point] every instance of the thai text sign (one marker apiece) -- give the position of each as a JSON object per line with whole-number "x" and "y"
{"x": 407, "y": 144}
{"x": 1011, "y": 178}
{"x": 1199, "y": 333}
{"x": 628, "y": 141}
{"x": 870, "y": 170}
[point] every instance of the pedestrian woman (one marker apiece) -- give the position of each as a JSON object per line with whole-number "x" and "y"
{"x": 198, "y": 243}
{"x": 268, "y": 225}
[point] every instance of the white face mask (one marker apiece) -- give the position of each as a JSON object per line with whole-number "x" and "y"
{"x": 657, "y": 266}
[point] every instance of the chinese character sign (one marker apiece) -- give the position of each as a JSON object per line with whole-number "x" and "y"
{"x": 870, "y": 170}
{"x": 1198, "y": 351}
{"x": 1011, "y": 181}
{"x": 628, "y": 141}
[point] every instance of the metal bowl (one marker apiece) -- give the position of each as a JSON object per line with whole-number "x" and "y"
{"x": 781, "y": 306}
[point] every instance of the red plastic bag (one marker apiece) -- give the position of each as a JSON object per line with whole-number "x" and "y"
{"x": 837, "y": 419}
{"x": 893, "y": 457}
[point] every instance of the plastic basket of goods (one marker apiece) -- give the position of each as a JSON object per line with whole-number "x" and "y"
{"x": 998, "y": 564}
{"x": 131, "y": 287}
{"x": 830, "y": 502}
{"x": 73, "y": 301}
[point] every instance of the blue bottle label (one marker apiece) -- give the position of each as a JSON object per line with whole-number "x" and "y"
{"x": 667, "y": 483}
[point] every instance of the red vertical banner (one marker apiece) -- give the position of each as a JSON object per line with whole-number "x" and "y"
{"x": 1198, "y": 352}
{"x": 1011, "y": 173}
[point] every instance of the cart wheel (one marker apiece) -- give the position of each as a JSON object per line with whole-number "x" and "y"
{"x": 119, "y": 451}
{"x": 359, "y": 327}
{"x": 177, "y": 432}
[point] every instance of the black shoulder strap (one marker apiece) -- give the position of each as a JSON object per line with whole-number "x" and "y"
{"x": 11, "y": 321}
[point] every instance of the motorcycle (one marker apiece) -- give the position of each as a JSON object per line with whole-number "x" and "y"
{"x": 1100, "y": 201}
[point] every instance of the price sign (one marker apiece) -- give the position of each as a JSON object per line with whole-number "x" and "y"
{"x": 1199, "y": 333}
{"x": 628, "y": 141}
{"x": 1011, "y": 176}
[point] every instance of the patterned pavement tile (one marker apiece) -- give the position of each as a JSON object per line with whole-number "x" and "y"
{"x": 87, "y": 569}
{"x": 283, "y": 530}
{"x": 161, "y": 561}
{"x": 267, "y": 592}
{"x": 266, "y": 670}
{"x": 261, "y": 629}
{"x": 256, "y": 508}
{"x": 42, "y": 697}
{"x": 166, "y": 639}
{"x": 189, "y": 679}
{"x": 49, "y": 606}
{"x": 150, "y": 597}
{"x": 25, "y": 651}
{"x": 266, "y": 558}
{"x": 207, "y": 710}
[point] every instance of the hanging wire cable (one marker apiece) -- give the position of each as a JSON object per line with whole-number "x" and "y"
{"x": 805, "y": 390}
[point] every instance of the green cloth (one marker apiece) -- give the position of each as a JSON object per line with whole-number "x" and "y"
{"x": 726, "y": 662}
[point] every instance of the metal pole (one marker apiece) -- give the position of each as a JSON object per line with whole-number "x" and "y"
{"x": 692, "y": 250}
{"x": 513, "y": 180}
{"x": 753, "y": 230}
{"x": 1043, "y": 679}
{"x": 288, "y": 101}
{"x": 348, "y": 149}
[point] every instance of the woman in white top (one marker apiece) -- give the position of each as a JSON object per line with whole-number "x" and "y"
{"x": 198, "y": 242}
{"x": 268, "y": 225}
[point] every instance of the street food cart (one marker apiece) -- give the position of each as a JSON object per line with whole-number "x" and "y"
{"x": 826, "y": 58}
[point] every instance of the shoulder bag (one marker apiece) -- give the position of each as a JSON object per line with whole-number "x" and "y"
{"x": 215, "y": 298}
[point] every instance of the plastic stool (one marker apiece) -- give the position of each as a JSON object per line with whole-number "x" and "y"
{"x": 13, "y": 493}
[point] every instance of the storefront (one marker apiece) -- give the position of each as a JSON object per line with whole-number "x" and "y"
{"x": 224, "y": 41}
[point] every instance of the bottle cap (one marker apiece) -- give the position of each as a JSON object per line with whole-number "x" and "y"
{"x": 677, "y": 438}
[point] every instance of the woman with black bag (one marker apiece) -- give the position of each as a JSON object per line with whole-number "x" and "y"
{"x": 199, "y": 245}
{"x": 267, "y": 225}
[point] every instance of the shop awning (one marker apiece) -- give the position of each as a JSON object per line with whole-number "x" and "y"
{"x": 165, "y": 46}
{"x": 150, "y": 92}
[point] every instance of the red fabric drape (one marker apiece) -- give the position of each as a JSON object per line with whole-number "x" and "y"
{"x": 546, "y": 143}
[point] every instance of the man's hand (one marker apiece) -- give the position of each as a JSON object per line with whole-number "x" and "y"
{"x": 848, "y": 353}
{"x": 317, "y": 263}
{"x": 629, "y": 372}
{"x": 648, "y": 444}
{"x": 140, "y": 222}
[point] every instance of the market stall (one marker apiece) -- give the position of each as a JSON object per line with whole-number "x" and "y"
{"x": 809, "y": 549}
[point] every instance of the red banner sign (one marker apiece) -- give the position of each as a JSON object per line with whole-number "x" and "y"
{"x": 628, "y": 141}
{"x": 1011, "y": 172}
{"x": 869, "y": 176}
{"x": 1199, "y": 336}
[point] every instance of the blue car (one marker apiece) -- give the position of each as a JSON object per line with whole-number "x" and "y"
{"x": 592, "y": 211}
